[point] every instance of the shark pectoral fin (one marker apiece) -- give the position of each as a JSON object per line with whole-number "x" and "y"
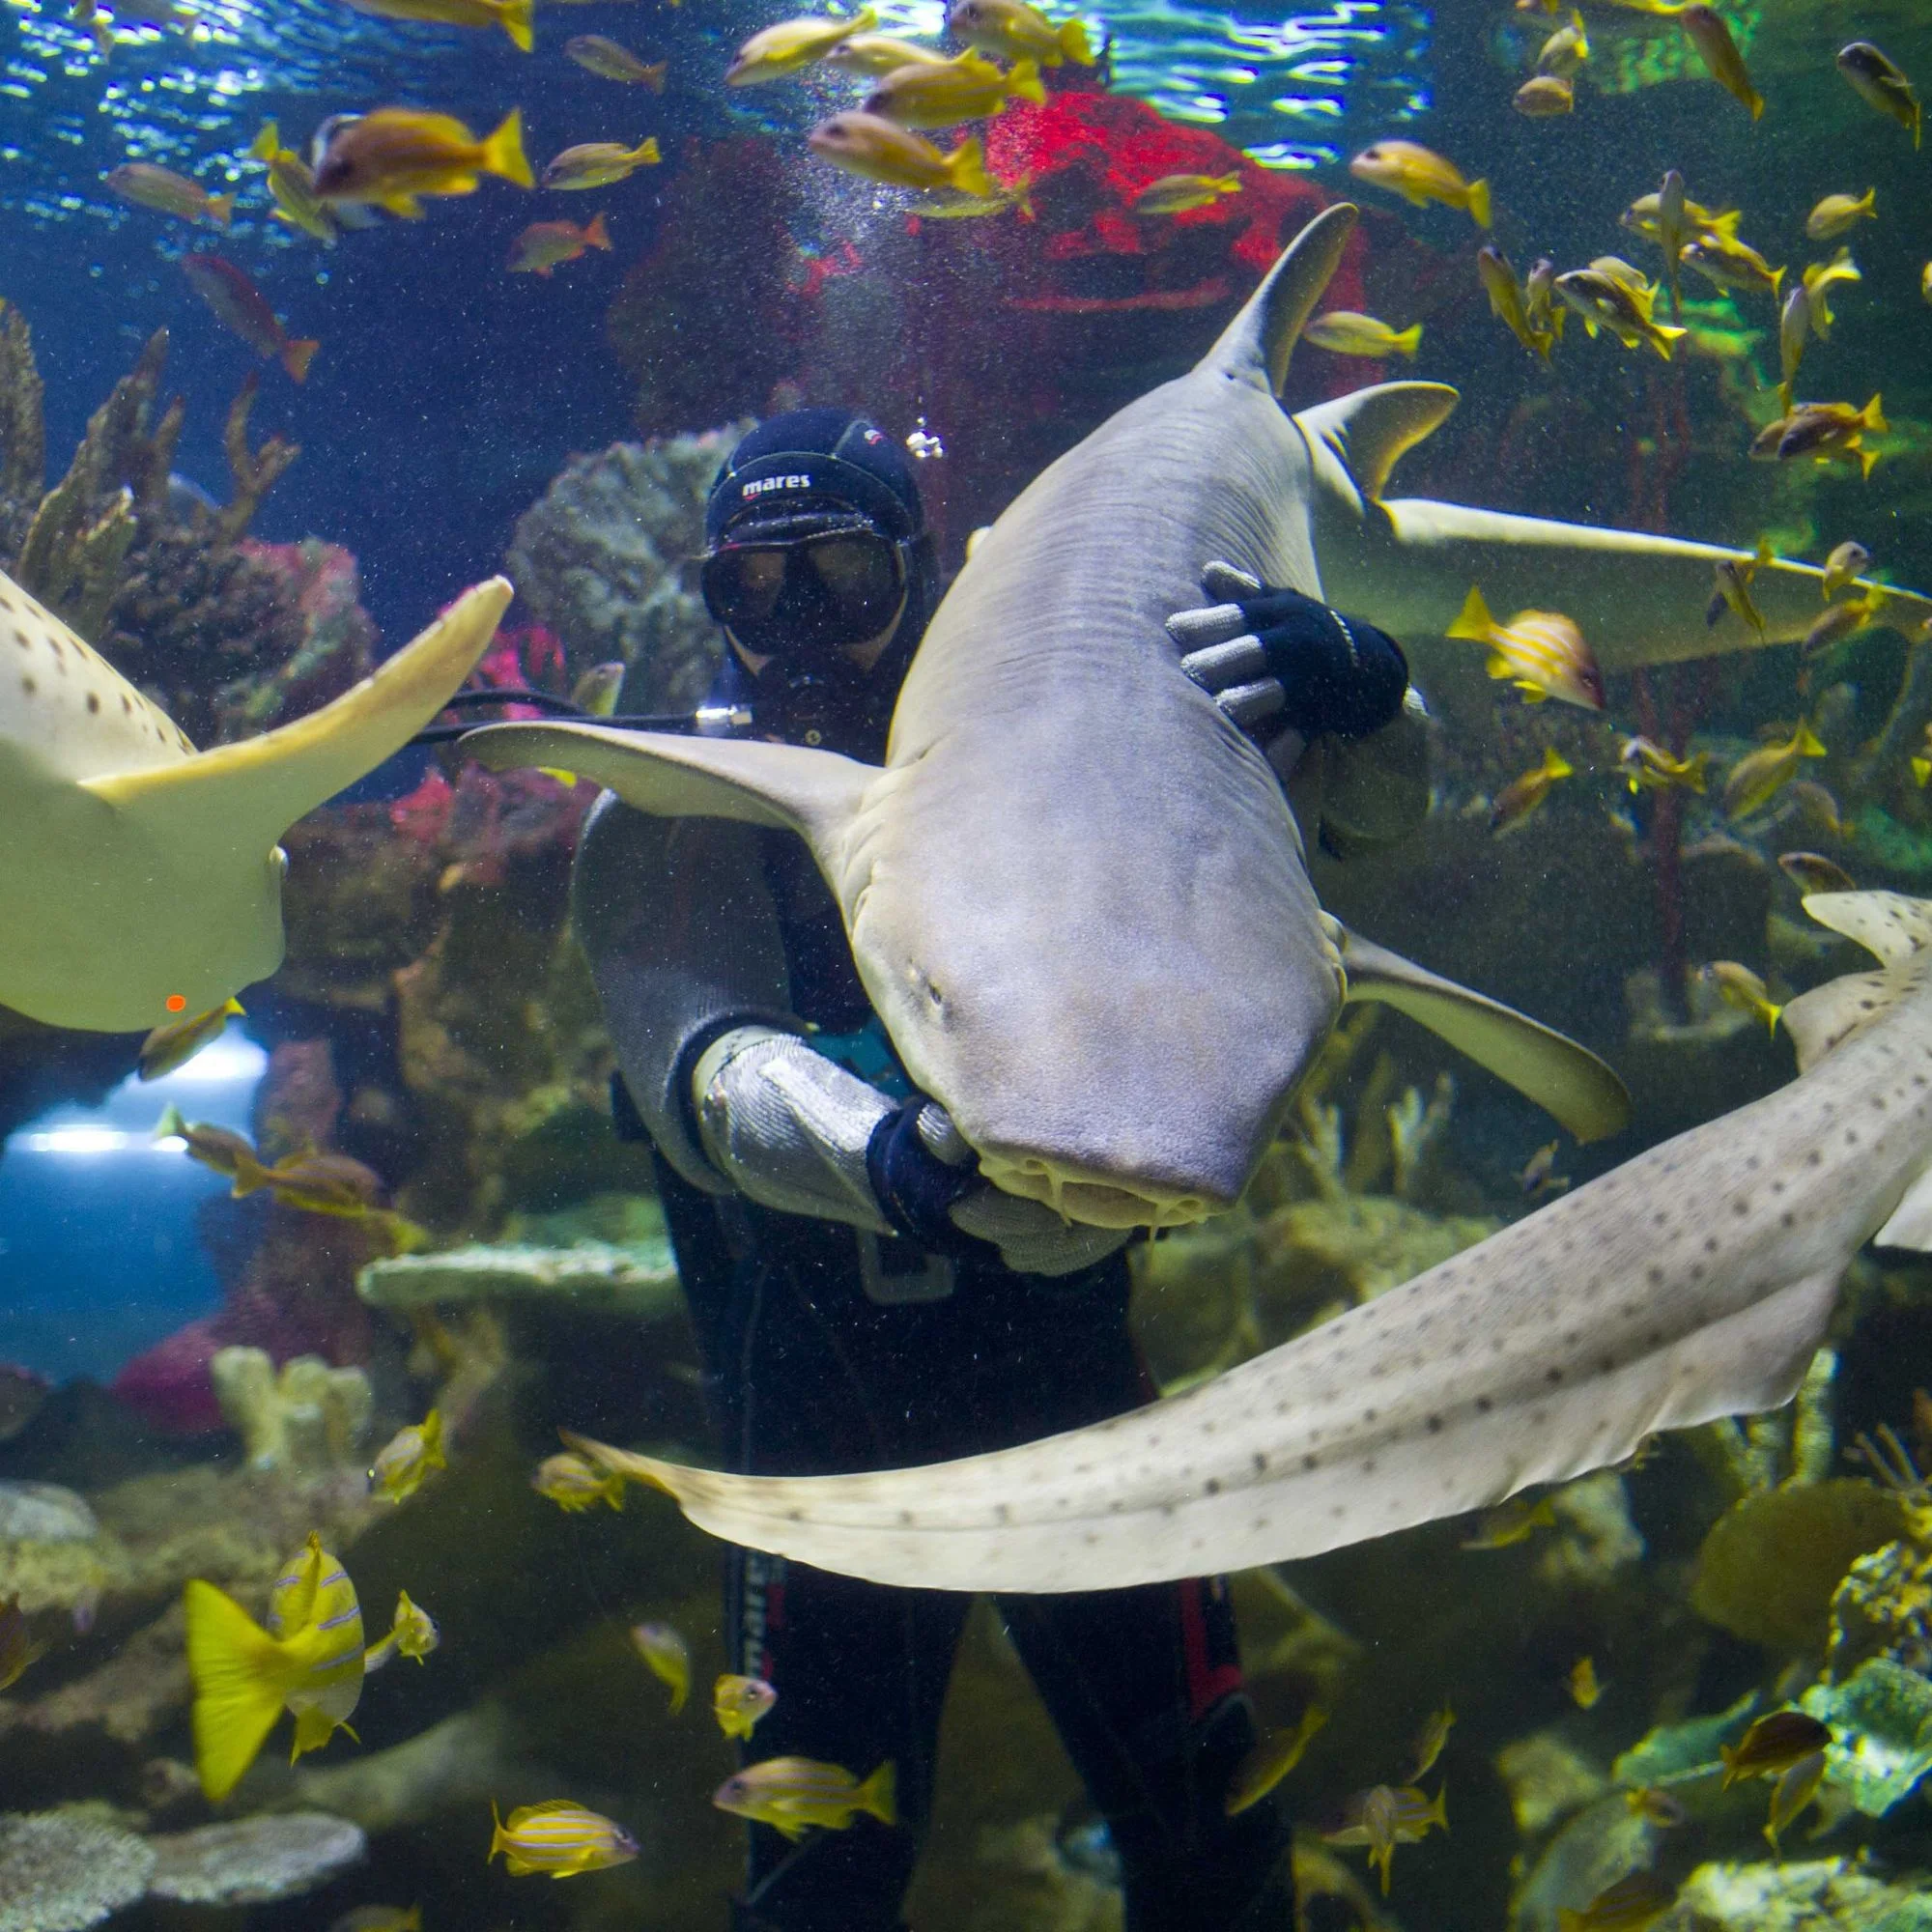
{"x": 1823, "y": 1019}
{"x": 1568, "y": 1081}
{"x": 247, "y": 794}
{"x": 1891, "y": 927}
{"x": 1370, "y": 432}
{"x": 813, "y": 793}
{"x": 1257, "y": 345}
{"x": 1910, "y": 1223}
{"x": 1894, "y": 929}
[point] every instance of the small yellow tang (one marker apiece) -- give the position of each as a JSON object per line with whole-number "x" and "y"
{"x": 1181, "y": 194}
{"x": 1759, "y": 775}
{"x": 600, "y": 163}
{"x": 1421, "y": 176}
{"x": 875, "y": 149}
{"x": 1015, "y": 31}
{"x": 1273, "y": 1756}
{"x": 572, "y": 1484}
{"x": 792, "y": 1794}
{"x": 395, "y": 156}
{"x": 559, "y": 1837}
{"x": 967, "y": 88}
{"x": 738, "y": 1702}
{"x": 308, "y": 1661}
{"x": 1542, "y": 652}
{"x": 664, "y": 1649}
{"x": 1387, "y": 1816}
{"x": 774, "y": 53}
{"x": 174, "y": 1045}
{"x": 406, "y": 1459}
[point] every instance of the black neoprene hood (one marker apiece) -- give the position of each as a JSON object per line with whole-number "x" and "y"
{"x": 813, "y": 461}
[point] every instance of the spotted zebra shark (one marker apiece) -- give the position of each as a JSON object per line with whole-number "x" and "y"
{"x": 1695, "y": 1281}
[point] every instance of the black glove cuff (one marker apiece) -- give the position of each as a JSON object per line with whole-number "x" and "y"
{"x": 1340, "y": 676}
{"x": 915, "y": 1187}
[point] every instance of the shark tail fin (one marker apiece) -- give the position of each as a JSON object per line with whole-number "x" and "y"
{"x": 1370, "y": 432}
{"x": 1257, "y": 345}
{"x": 245, "y": 795}
{"x": 1568, "y": 1081}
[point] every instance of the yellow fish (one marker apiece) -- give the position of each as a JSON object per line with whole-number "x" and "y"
{"x": 1514, "y": 1522}
{"x": 1585, "y": 1689}
{"x": 1729, "y": 264}
{"x": 169, "y": 193}
{"x": 1635, "y": 1900}
{"x": 1730, "y": 589}
{"x": 1759, "y": 775}
{"x": 1542, "y": 652}
{"x": 1275, "y": 1753}
{"x": 876, "y": 149}
{"x": 408, "y": 1457}
{"x": 1342, "y": 332}
{"x": 414, "y": 1633}
{"x": 1844, "y": 567}
{"x": 608, "y": 60}
{"x": 945, "y": 207}
{"x": 1882, "y": 84}
{"x": 1015, "y": 31}
{"x": 738, "y": 1702}
{"x": 792, "y": 1794}
{"x": 1181, "y": 194}
{"x": 174, "y": 1044}
{"x": 559, "y": 1837}
{"x": 1429, "y": 1742}
{"x": 516, "y": 18}
{"x": 664, "y": 1649}
{"x": 1820, "y": 279}
{"x": 395, "y": 156}
{"x": 1648, "y": 767}
{"x": 380, "y": 1919}
{"x": 1813, "y": 873}
{"x": 1385, "y": 1817}
{"x": 774, "y": 53}
{"x": 1610, "y": 295}
{"x": 1507, "y": 301}
{"x": 1566, "y": 50}
{"x": 1828, "y": 431}
{"x": 1773, "y": 1745}
{"x": 1545, "y": 96}
{"x": 18, "y": 1648}
{"x": 876, "y": 54}
{"x": 1420, "y": 176}
{"x": 572, "y": 1484}
{"x": 1839, "y": 622}
{"x": 1518, "y": 800}
{"x": 1796, "y": 1787}
{"x": 308, "y": 1661}
{"x": 544, "y": 246}
{"x": 1539, "y": 1177}
{"x": 600, "y": 163}
{"x": 292, "y": 187}
{"x": 967, "y": 88}
{"x": 1837, "y": 213}
{"x": 1718, "y": 52}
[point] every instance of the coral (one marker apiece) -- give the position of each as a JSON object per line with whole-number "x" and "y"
{"x": 1768, "y": 1566}
{"x": 1812, "y": 1895}
{"x": 1595, "y": 1537}
{"x": 1883, "y": 1609}
{"x": 1366, "y": 1244}
{"x": 1597, "y": 1846}
{"x": 1880, "y": 1720}
{"x": 310, "y": 1418}
{"x": 44, "y": 1513}
{"x": 1678, "y": 1753}
{"x": 1548, "y": 1779}
{"x": 255, "y": 1861}
{"x": 604, "y": 560}
{"x": 60, "y": 1871}
{"x": 639, "y": 1282}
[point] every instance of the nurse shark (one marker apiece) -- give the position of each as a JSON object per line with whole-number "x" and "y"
{"x": 1074, "y": 891}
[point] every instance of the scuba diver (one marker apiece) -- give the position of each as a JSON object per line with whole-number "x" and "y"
{"x": 862, "y": 1299}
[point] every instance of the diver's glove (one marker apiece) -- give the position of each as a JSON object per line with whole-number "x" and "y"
{"x": 1275, "y": 660}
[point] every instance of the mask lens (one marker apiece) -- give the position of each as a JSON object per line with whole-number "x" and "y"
{"x": 840, "y": 589}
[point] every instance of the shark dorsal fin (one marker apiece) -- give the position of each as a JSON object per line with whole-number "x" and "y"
{"x": 1894, "y": 928}
{"x": 813, "y": 793}
{"x": 1891, "y": 927}
{"x": 1256, "y": 345}
{"x": 1371, "y": 431}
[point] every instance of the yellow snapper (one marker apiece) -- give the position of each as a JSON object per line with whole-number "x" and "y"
{"x": 946, "y": 207}
{"x": 1181, "y": 194}
{"x": 394, "y": 156}
{"x": 292, "y": 187}
{"x": 1759, "y": 775}
{"x": 1828, "y": 431}
{"x": 1794, "y": 331}
{"x": 1840, "y": 622}
{"x": 1507, "y": 301}
{"x": 1541, "y": 651}
{"x": 1015, "y": 31}
{"x": 875, "y": 149}
{"x": 1342, "y": 332}
{"x": 1610, "y": 294}
{"x": 308, "y": 1661}
{"x": 1420, "y": 176}
{"x": 1844, "y": 567}
{"x": 1837, "y": 213}
{"x": 774, "y": 53}
{"x": 1882, "y": 84}
{"x": 408, "y": 1457}
{"x": 600, "y": 163}
{"x": 572, "y": 1484}
{"x": 1433, "y": 1735}
{"x": 1518, "y": 800}
{"x": 160, "y": 188}
{"x": 1385, "y": 1817}
{"x": 1727, "y": 262}
{"x": 1773, "y": 1745}
{"x": 738, "y": 1702}
{"x": 1584, "y": 1688}
{"x": 1718, "y": 52}
{"x": 544, "y": 246}
{"x": 414, "y": 1633}
{"x": 876, "y": 54}
{"x": 1730, "y": 589}
{"x": 596, "y": 692}
{"x": 1566, "y": 50}
{"x": 559, "y": 1837}
{"x": 174, "y": 1044}
{"x": 1796, "y": 1787}
{"x": 967, "y": 88}
{"x": 1647, "y": 766}
{"x": 609, "y": 61}
{"x": 516, "y": 18}
{"x": 792, "y": 1794}
{"x": 665, "y": 1651}
{"x": 18, "y": 1647}
{"x": 1275, "y": 1753}
{"x": 1820, "y": 279}
{"x": 1635, "y": 1900}
{"x": 380, "y": 1919}
{"x": 1813, "y": 873}
{"x": 1514, "y": 1522}
{"x": 1544, "y": 95}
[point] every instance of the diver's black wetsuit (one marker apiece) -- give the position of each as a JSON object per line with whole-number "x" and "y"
{"x": 808, "y": 1374}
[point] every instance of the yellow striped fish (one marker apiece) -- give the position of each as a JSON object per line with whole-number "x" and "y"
{"x": 791, "y": 1793}
{"x": 308, "y": 1661}
{"x": 560, "y": 1838}
{"x": 1542, "y": 652}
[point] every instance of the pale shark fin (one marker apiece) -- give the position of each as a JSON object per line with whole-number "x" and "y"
{"x": 1567, "y": 1081}
{"x": 1256, "y": 345}
{"x": 1370, "y": 432}
{"x": 813, "y": 793}
{"x": 1892, "y": 927}
{"x": 245, "y": 795}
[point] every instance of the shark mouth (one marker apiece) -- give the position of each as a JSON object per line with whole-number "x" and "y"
{"x": 1097, "y": 1200}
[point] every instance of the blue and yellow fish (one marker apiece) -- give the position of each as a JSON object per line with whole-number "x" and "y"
{"x": 307, "y": 1661}
{"x": 560, "y": 1838}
